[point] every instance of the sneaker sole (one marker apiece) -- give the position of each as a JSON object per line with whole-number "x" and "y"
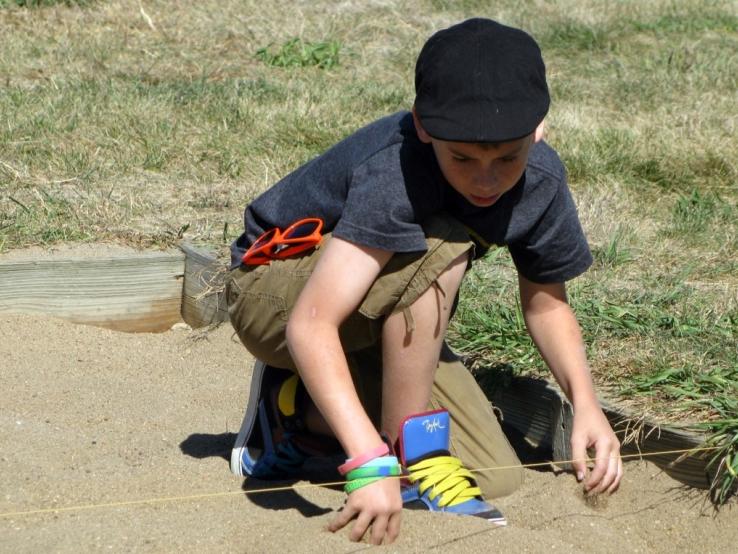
{"x": 249, "y": 420}
{"x": 420, "y": 505}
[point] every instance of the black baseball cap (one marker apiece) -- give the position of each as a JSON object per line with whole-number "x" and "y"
{"x": 480, "y": 81}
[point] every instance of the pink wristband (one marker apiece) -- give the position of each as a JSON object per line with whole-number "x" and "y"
{"x": 353, "y": 463}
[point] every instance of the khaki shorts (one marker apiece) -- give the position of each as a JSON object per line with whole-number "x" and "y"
{"x": 260, "y": 299}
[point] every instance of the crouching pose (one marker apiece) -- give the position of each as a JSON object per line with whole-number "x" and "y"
{"x": 347, "y": 274}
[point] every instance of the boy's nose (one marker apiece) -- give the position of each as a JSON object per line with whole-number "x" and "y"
{"x": 487, "y": 180}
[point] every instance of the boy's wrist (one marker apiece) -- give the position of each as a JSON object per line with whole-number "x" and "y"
{"x": 584, "y": 400}
{"x": 578, "y": 387}
{"x": 360, "y": 443}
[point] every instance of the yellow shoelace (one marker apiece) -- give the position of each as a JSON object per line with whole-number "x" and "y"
{"x": 446, "y": 476}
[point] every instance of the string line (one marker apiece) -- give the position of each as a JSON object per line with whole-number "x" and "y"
{"x": 188, "y": 497}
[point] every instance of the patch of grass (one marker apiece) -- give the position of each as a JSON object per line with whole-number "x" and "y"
{"x": 620, "y": 154}
{"x": 723, "y": 436}
{"x": 44, "y": 3}
{"x": 693, "y": 213}
{"x": 704, "y": 220}
{"x": 615, "y": 252}
{"x": 469, "y": 7}
{"x": 574, "y": 35}
{"x": 714, "y": 391}
{"x": 299, "y": 53}
{"x": 50, "y": 217}
{"x": 497, "y": 332}
{"x": 688, "y": 23}
{"x": 494, "y": 331}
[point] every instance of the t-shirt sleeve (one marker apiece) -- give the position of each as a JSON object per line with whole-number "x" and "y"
{"x": 378, "y": 212}
{"x": 555, "y": 249}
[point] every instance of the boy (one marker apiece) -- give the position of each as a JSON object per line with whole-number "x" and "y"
{"x": 406, "y": 204}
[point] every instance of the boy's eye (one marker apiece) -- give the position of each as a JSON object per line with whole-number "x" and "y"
{"x": 460, "y": 158}
{"x": 510, "y": 159}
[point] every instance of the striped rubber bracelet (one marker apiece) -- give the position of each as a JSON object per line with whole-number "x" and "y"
{"x": 373, "y": 471}
{"x": 378, "y": 471}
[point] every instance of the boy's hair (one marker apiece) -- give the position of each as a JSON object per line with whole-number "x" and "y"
{"x": 480, "y": 81}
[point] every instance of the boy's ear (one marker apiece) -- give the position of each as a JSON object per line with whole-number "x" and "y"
{"x": 538, "y": 133}
{"x": 422, "y": 135}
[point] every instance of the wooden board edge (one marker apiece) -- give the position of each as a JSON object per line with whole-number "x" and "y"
{"x": 203, "y": 292}
{"x": 538, "y": 410}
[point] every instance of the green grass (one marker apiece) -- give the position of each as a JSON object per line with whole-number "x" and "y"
{"x": 614, "y": 252}
{"x": 143, "y": 129}
{"x": 298, "y": 53}
{"x": 695, "y": 213}
{"x": 44, "y": 3}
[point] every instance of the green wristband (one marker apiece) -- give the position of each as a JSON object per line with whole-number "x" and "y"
{"x": 363, "y": 476}
{"x": 377, "y": 471}
{"x": 355, "y": 484}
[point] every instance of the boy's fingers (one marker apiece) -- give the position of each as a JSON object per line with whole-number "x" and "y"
{"x": 360, "y": 526}
{"x": 618, "y": 477}
{"x": 341, "y": 519}
{"x": 605, "y": 469}
{"x": 379, "y": 528}
{"x": 579, "y": 455}
{"x": 611, "y": 473}
{"x": 598, "y": 471}
{"x": 393, "y": 527}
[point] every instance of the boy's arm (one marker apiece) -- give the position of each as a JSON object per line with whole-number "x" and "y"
{"x": 341, "y": 279}
{"x": 555, "y": 331}
{"x": 339, "y": 282}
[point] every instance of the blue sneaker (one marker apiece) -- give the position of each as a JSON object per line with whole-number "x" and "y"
{"x": 272, "y": 443}
{"x": 437, "y": 481}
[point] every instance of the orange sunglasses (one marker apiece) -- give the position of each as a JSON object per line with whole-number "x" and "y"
{"x": 277, "y": 245}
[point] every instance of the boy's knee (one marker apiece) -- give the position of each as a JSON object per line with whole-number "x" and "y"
{"x": 506, "y": 482}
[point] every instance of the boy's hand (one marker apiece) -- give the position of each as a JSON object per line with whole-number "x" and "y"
{"x": 378, "y": 505}
{"x": 592, "y": 430}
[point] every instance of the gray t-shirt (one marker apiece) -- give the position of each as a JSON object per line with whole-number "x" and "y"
{"x": 375, "y": 187}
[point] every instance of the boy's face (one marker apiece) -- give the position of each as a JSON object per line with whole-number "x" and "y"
{"x": 481, "y": 173}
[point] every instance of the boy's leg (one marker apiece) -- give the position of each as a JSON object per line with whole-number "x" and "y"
{"x": 411, "y": 346}
{"x": 476, "y": 435}
{"x": 410, "y": 351}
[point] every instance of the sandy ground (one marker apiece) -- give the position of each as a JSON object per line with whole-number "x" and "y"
{"x": 94, "y": 418}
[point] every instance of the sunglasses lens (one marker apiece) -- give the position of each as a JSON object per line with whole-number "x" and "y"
{"x": 300, "y": 230}
{"x": 263, "y": 239}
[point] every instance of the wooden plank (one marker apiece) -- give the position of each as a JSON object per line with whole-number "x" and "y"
{"x": 203, "y": 295}
{"x": 126, "y": 291}
{"x": 645, "y": 436}
{"x": 538, "y": 410}
{"x": 527, "y": 405}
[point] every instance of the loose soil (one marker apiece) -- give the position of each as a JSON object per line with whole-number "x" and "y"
{"x": 93, "y": 418}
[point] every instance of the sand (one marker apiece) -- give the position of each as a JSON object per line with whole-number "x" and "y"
{"x": 96, "y": 418}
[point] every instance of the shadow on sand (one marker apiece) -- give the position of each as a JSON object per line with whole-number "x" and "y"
{"x": 203, "y": 445}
